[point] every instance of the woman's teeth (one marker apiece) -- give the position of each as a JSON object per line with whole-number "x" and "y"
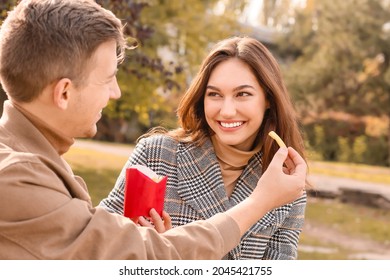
{"x": 230, "y": 125}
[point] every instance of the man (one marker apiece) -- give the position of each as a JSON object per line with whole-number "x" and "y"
{"x": 58, "y": 60}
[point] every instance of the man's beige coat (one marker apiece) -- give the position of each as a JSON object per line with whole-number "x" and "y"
{"x": 46, "y": 211}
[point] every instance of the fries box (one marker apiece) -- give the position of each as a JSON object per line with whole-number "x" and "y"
{"x": 144, "y": 190}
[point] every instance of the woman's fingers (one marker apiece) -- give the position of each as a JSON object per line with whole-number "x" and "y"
{"x": 144, "y": 222}
{"x": 160, "y": 224}
{"x": 157, "y": 221}
{"x": 167, "y": 220}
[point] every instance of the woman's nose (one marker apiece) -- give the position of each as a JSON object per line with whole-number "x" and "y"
{"x": 228, "y": 108}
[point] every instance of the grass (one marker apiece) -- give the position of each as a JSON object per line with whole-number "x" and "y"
{"x": 334, "y": 251}
{"x": 98, "y": 169}
{"x": 356, "y": 220}
{"x": 360, "y": 172}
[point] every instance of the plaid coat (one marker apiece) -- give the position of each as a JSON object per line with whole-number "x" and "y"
{"x": 195, "y": 191}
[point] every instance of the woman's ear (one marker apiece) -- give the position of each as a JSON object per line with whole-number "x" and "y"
{"x": 267, "y": 105}
{"x": 61, "y": 93}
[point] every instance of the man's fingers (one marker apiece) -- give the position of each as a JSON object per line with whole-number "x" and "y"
{"x": 298, "y": 161}
{"x": 289, "y": 165}
{"x": 279, "y": 157}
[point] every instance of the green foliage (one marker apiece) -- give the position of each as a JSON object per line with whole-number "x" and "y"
{"x": 337, "y": 56}
{"x": 359, "y": 148}
{"x": 323, "y": 136}
{"x": 354, "y": 152}
{"x": 344, "y": 149}
{"x": 5, "y": 6}
{"x": 341, "y": 54}
{"x": 144, "y": 77}
{"x": 336, "y": 140}
{"x": 342, "y": 65}
{"x": 319, "y": 135}
{"x": 376, "y": 153}
{"x": 173, "y": 38}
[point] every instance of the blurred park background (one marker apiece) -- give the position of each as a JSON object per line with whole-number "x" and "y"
{"x": 335, "y": 56}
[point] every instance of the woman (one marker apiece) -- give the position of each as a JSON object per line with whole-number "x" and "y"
{"x": 221, "y": 148}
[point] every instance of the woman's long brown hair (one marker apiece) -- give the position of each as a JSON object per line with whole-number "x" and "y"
{"x": 280, "y": 117}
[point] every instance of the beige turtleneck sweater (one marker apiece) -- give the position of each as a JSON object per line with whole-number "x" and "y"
{"x": 232, "y": 162}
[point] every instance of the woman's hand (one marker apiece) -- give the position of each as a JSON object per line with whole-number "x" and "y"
{"x": 160, "y": 224}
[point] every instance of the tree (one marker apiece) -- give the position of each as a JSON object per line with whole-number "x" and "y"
{"x": 173, "y": 38}
{"x": 343, "y": 62}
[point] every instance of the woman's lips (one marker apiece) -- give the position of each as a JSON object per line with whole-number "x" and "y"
{"x": 231, "y": 124}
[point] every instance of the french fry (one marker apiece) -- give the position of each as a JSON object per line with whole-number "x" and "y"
{"x": 277, "y": 138}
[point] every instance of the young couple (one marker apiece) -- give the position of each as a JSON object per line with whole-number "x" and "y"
{"x": 221, "y": 149}
{"x": 227, "y": 179}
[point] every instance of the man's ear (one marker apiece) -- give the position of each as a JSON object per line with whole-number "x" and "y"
{"x": 61, "y": 93}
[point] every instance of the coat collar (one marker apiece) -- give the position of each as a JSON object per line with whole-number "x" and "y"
{"x": 24, "y": 131}
{"x": 203, "y": 189}
{"x": 54, "y": 135}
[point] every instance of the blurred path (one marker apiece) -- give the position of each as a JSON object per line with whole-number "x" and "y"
{"x": 333, "y": 184}
{"x": 116, "y": 149}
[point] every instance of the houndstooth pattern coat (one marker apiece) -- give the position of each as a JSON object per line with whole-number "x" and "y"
{"x": 195, "y": 191}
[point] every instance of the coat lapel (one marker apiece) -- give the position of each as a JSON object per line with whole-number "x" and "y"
{"x": 247, "y": 182}
{"x": 201, "y": 184}
{"x": 245, "y": 186}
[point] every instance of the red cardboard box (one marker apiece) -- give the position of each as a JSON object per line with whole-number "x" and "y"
{"x": 144, "y": 190}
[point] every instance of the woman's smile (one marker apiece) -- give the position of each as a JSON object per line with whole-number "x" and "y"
{"x": 230, "y": 124}
{"x": 234, "y": 103}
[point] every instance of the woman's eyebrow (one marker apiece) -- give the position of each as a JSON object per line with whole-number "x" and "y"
{"x": 212, "y": 87}
{"x": 234, "y": 89}
{"x": 242, "y": 87}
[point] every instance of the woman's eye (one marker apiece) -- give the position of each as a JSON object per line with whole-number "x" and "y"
{"x": 213, "y": 94}
{"x": 244, "y": 94}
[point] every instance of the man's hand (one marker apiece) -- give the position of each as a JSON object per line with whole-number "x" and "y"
{"x": 283, "y": 182}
